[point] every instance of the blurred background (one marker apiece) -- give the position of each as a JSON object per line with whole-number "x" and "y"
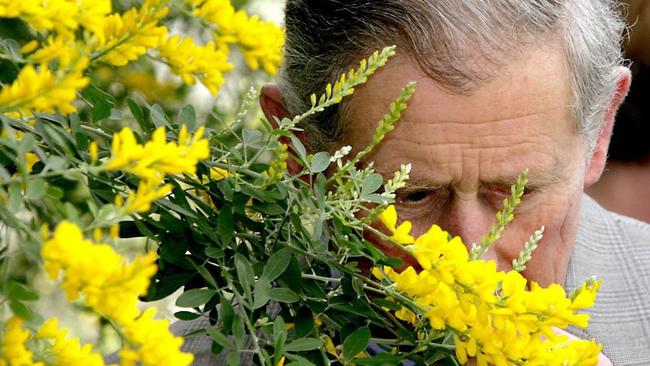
{"x": 625, "y": 185}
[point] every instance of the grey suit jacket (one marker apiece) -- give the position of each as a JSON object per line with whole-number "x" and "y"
{"x": 616, "y": 249}
{"x": 612, "y": 247}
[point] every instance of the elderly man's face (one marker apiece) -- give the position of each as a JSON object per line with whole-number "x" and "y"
{"x": 466, "y": 151}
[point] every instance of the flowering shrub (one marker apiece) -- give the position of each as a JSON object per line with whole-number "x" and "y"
{"x": 276, "y": 262}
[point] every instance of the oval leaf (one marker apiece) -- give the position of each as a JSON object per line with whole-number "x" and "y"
{"x": 356, "y": 342}
{"x": 277, "y": 264}
{"x": 195, "y": 297}
{"x": 284, "y": 294}
{"x": 320, "y": 162}
{"x": 304, "y": 344}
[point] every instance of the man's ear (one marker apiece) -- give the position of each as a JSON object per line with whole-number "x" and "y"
{"x": 598, "y": 157}
{"x": 272, "y": 103}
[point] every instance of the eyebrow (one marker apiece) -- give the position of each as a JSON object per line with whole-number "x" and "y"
{"x": 551, "y": 176}
{"x": 420, "y": 183}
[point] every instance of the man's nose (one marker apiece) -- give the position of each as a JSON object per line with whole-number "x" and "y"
{"x": 469, "y": 217}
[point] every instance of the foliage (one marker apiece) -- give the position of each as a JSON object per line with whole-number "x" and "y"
{"x": 278, "y": 262}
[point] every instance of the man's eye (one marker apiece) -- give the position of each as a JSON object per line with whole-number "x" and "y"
{"x": 497, "y": 195}
{"x": 413, "y": 196}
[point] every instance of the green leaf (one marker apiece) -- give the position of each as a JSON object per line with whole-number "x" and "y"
{"x": 261, "y": 293}
{"x": 18, "y": 291}
{"x": 277, "y": 264}
{"x": 204, "y": 273}
{"x": 304, "y": 322}
{"x": 299, "y": 148}
{"x": 320, "y": 162}
{"x": 225, "y": 224}
{"x": 158, "y": 117}
{"x": 186, "y": 315}
{"x": 252, "y": 138}
{"x": 220, "y": 338}
{"x": 279, "y": 336}
{"x": 35, "y": 188}
{"x": 284, "y": 294}
{"x": 20, "y": 309}
{"x": 26, "y": 145}
{"x": 227, "y": 313}
{"x": 195, "y": 297}
{"x": 176, "y": 208}
{"x": 100, "y": 102}
{"x": 214, "y": 252}
{"x": 371, "y": 184}
{"x": 356, "y": 342}
{"x": 139, "y": 115}
{"x": 304, "y": 344}
{"x": 233, "y": 359}
{"x": 187, "y": 116}
{"x": 238, "y": 331}
{"x": 245, "y": 274}
{"x": 387, "y": 304}
{"x": 15, "y": 197}
{"x": 320, "y": 189}
{"x": 55, "y": 163}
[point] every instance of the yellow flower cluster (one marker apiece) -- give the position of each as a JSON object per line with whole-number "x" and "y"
{"x": 66, "y": 351}
{"x": 493, "y": 316}
{"x": 55, "y": 348}
{"x": 111, "y": 287}
{"x": 125, "y": 37}
{"x": 153, "y": 160}
{"x": 40, "y": 88}
{"x": 151, "y": 342}
{"x": 61, "y": 16}
{"x": 260, "y": 42}
{"x": 14, "y": 352}
{"x": 118, "y": 39}
{"x": 191, "y": 61}
{"x": 158, "y": 157}
{"x": 279, "y": 164}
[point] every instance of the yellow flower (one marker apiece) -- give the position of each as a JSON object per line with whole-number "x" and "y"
{"x": 191, "y": 61}
{"x": 125, "y": 37}
{"x": 10, "y": 8}
{"x": 401, "y": 234}
{"x": 30, "y": 160}
{"x": 111, "y": 286}
{"x": 151, "y": 344}
{"x": 14, "y": 352}
{"x": 93, "y": 151}
{"x": 218, "y": 174}
{"x": 492, "y": 314}
{"x": 279, "y": 164}
{"x": 153, "y": 160}
{"x": 586, "y": 295}
{"x": 218, "y": 12}
{"x": 65, "y": 351}
{"x": 148, "y": 191}
{"x": 44, "y": 90}
{"x": 260, "y": 42}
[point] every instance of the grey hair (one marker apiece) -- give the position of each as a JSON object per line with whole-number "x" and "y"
{"x": 324, "y": 38}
